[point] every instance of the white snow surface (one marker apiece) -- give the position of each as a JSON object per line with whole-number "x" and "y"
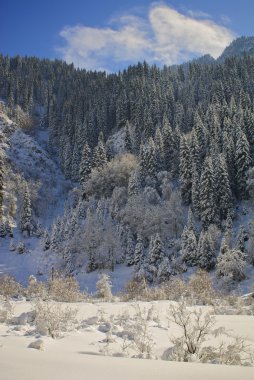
{"x": 77, "y": 355}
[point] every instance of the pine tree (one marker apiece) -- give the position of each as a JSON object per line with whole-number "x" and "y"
{"x": 224, "y": 194}
{"x": 26, "y": 213}
{"x": 207, "y": 195}
{"x": 134, "y": 186}
{"x": 85, "y": 164}
{"x": 46, "y": 241}
{"x": 196, "y": 152}
{"x": 130, "y": 249}
{"x": 188, "y": 246}
{"x": 185, "y": 171}
{"x": 68, "y": 260}
{"x": 164, "y": 270}
{"x": 127, "y": 139}
{"x": 159, "y": 149}
{"x": 242, "y": 237}
{"x": 168, "y": 145}
{"x": 148, "y": 164}
{"x": 155, "y": 252}
{"x": 195, "y": 192}
{"x": 99, "y": 157}
{"x": 205, "y": 252}
{"x": 139, "y": 252}
{"x": 57, "y": 234}
{"x": 242, "y": 160}
{"x": 75, "y": 163}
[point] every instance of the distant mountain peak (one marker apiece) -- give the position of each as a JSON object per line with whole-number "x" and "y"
{"x": 238, "y": 48}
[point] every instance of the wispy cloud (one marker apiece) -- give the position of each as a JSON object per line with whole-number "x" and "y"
{"x": 164, "y": 36}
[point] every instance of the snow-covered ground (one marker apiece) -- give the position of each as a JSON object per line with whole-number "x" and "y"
{"x": 83, "y": 354}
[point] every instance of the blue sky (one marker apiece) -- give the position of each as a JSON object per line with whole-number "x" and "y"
{"x": 102, "y": 34}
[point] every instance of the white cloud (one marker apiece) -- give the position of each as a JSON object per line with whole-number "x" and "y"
{"x": 165, "y": 36}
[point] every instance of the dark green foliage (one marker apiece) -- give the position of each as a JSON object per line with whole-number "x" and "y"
{"x": 185, "y": 170}
{"x": 85, "y": 164}
{"x": 208, "y": 205}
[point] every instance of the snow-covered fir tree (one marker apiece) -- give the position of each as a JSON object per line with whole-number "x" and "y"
{"x": 242, "y": 160}
{"x": 185, "y": 170}
{"x": 189, "y": 247}
{"x": 139, "y": 252}
{"x": 130, "y": 249}
{"x": 205, "y": 252}
{"x": 207, "y": 195}
{"x": 26, "y": 212}
{"x": 85, "y": 164}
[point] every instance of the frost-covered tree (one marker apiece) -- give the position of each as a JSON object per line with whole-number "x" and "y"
{"x": 139, "y": 252}
{"x": 46, "y": 241}
{"x": 185, "y": 170}
{"x": 231, "y": 264}
{"x": 85, "y": 164}
{"x": 134, "y": 186}
{"x": 242, "y": 160}
{"x": 195, "y": 192}
{"x": 155, "y": 252}
{"x": 99, "y": 156}
{"x": 148, "y": 164}
{"x": 164, "y": 270}
{"x": 159, "y": 148}
{"x": 57, "y": 234}
{"x": 130, "y": 249}
{"x": 127, "y": 139}
{"x": 26, "y": 212}
{"x": 223, "y": 191}
{"x": 189, "y": 247}
{"x": 103, "y": 287}
{"x": 207, "y": 195}
{"x": 242, "y": 237}
{"x": 205, "y": 252}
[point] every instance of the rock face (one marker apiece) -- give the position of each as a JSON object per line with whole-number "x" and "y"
{"x": 37, "y": 345}
{"x": 237, "y": 48}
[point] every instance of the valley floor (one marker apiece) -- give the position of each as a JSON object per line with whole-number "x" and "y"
{"x": 81, "y": 354}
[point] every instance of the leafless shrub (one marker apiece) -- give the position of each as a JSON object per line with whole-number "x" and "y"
{"x": 36, "y": 289}
{"x": 64, "y": 289}
{"x": 201, "y": 288}
{"x": 6, "y": 311}
{"x": 196, "y": 327}
{"x": 9, "y": 287}
{"x": 53, "y": 319}
{"x": 103, "y": 287}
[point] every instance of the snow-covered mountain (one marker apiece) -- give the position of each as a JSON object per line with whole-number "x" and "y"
{"x": 238, "y": 47}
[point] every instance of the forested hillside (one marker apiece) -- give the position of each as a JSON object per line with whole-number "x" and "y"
{"x": 159, "y": 162}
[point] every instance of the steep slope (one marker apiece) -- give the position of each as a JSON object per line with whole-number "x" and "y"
{"x": 27, "y": 164}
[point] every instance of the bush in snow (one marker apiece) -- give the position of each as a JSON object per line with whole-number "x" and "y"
{"x": 201, "y": 288}
{"x": 35, "y": 289}
{"x": 52, "y": 319}
{"x": 6, "y": 312}
{"x": 21, "y": 248}
{"x": 175, "y": 289}
{"x": 135, "y": 289}
{"x": 115, "y": 174}
{"x": 9, "y": 287}
{"x": 197, "y": 326}
{"x": 64, "y": 289}
{"x": 231, "y": 265}
{"x": 103, "y": 287}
